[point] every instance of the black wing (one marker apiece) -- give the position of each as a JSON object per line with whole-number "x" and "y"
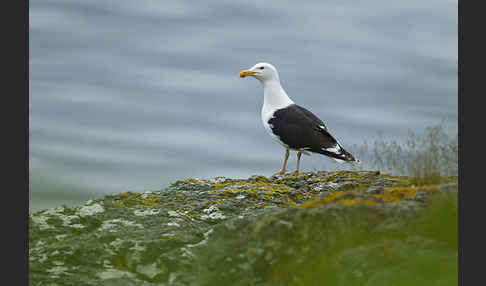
{"x": 301, "y": 129}
{"x": 311, "y": 116}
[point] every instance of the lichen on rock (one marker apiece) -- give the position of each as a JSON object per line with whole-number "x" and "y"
{"x": 164, "y": 237}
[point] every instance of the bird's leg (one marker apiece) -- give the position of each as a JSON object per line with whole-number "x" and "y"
{"x": 281, "y": 172}
{"x": 298, "y": 161}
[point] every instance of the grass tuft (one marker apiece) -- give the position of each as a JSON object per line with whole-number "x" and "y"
{"x": 427, "y": 158}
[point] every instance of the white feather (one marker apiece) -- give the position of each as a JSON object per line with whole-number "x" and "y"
{"x": 336, "y": 149}
{"x": 274, "y": 98}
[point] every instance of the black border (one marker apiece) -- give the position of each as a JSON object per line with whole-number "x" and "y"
{"x": 20, "y": 91}
{"x": 15, "y": 132}
{"x": 471, "y": 79}
{"x": 459, "y": 134}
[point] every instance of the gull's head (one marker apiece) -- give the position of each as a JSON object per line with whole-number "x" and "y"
{"x": 261, "y": 71}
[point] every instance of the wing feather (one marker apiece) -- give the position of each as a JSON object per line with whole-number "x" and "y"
{"x": 299, "y": 128}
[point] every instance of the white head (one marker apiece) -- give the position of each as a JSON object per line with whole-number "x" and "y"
{"x": 261, "y": 71}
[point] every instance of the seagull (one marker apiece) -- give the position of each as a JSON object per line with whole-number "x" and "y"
{"x": 291, "y": 125}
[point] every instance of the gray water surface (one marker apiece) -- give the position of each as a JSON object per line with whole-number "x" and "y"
{"x": 133, "y": 95}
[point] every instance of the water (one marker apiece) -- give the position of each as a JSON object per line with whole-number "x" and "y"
{"x": 133, "y": 95}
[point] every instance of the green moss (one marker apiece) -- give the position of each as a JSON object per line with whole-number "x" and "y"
{"x": 260, "y": 188}
{"x": 355, "y": 246}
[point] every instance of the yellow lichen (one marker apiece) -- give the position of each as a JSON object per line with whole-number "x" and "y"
{"x": 348, "y": 202}
{"x": 147, "y": 201}
{"x": 414, "y": 188}
{"x": 369, "y": 202}
{"x": 327, "y": 199}
{"x": 333, "y": 196}
{"x": 429, "y": 187}
{"x": 261, "y": 188}
{"x": 344, "y": 202}
{"x": 309, "y": 204}
{"x": 221, "y": 185}
{"x": 396, "y": 194}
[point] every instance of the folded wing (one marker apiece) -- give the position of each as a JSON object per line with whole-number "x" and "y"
{"x": 300, "y": 129}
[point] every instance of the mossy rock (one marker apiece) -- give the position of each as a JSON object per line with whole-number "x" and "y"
{"x": 210, "y": 231}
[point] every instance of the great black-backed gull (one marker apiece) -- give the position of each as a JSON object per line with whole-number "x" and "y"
{"x": 291, "y": 125}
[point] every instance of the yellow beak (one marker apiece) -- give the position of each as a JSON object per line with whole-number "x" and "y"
{"x": 246, "y": 73}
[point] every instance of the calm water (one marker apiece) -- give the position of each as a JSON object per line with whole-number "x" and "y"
{"x": 133, "y": 95}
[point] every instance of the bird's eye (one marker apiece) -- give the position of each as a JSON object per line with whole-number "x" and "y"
{"x": 262, "y": 68}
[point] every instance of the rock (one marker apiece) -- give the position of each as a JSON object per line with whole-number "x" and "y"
{"x": 218, "y": 230}
{"x": 375, "y": 190}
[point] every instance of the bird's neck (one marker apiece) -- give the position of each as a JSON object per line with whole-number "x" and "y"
{"x": 274, "y": 96}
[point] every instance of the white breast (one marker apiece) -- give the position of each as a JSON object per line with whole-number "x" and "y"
{"x": 274, "y": 98}
{"x": 266, "y": 116}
